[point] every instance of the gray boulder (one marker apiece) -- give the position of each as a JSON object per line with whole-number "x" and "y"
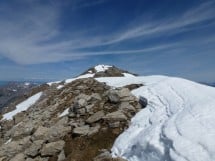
{"x": 57, "y": 132}
{"x": 40, "y": 133}
{"x": 124, "y": 92}
{"x": 103, "y": 156}
{"x": 83, "y": 130}
{"x": 143, "y": 101}
{"x": 126, "y": 107}
{"x": 34, "y": 149}
{"x": 115, "y": 116}
{"x": 95, "y": 97}
{"x": 113, "y": 96}
{"x": 18, "y": 157}
{"x": 37, "y": 159}
{"x": 82, "y": 102}
{"x": 95, "y": 117}
{"x": 83, "y": 96}
{"x": 23, "y": 130}
{"x": 61, "y": 156}
{"x": 93, "y": 130}
{"x": 52, "y": 148}
{"x": 2, "y": 158}
{"x": 114, "y": 124}
{"x": 18, "y": 117}
{"x": 12, "y": 148}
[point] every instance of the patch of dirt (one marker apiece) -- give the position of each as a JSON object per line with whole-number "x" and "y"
{"x": 86, "y": 148}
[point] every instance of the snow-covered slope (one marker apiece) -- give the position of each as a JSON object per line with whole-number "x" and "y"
{"x": 88, "y": 74}
{"x": 102, "y": 68}
{"x": 23, "y": 106}
{"x": 91, "y": 73}
{"x": 178, "y": 123}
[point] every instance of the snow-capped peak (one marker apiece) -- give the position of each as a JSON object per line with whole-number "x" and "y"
{"x": 96, "y": 72}
{"x": 102, "y": 68}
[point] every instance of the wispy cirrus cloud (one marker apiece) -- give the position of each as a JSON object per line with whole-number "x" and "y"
{"x": 34, "y": 35}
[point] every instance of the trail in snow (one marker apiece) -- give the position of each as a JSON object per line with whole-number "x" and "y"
{"x": 178, "y": 123}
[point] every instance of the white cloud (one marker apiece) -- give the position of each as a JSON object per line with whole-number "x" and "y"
{"x": 29, "y": 36}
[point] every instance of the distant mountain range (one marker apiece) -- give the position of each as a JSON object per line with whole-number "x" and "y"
{"x": 11, "y": 91}
{"x": 209, "y": 84}
{"x": 2, "y": 83}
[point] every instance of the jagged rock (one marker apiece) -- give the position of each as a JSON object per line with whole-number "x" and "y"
{"x": 124, "y": 92}
{"x": 126, "y": 107}
{"x": 82, "y": 102}
{"x": 94, "y": 130}
{"x": 95, "y": 117}
{"x": 143, "y": 101}
{"x": 2, "y": 159}
{"x": 52, "y": 148}
{"x": 83, "y": 96}
{"x": 80, "y": 87}
{"x": 103, "y": 156}
{"x": 14, "y": 147}
{"x": 18, "y": 157}
{"x": 71, "y": 115}
{"x": 74, "y": 108}
{"x": 114, "y": 124}
{"x": 76, "y": 123}
{"x": 33, "y": 150}
{"x": 23, "y": 130}
{"x": 128, "y": 99}
{"x": 133, "y": 86}
{"x": 6, "y": 125}
{"x": 18, "y": 117}
{"x": 89, "y": 108}
{"x": 40, "y": 133}
{"x": 61, "y": 156}
{"x": 73, "y": 124}
{"x": 83, "y": 130}
{"x": 113, "y": 96}
{"x": 96, "y": 96}
{"x": 57, "y": 132}
{"x": 62, "y": 122}
{"x": 115, "y": 116}
{"x": 37, "y": 159}
{"x": 81, "y": 111}
{"x": 46, "y": 115}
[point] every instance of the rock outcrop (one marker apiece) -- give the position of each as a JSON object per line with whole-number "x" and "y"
{"x": 74, "y": 122}
{"x": 107, "y": 71}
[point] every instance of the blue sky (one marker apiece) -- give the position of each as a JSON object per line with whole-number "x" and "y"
{"x": 57, "y": 39}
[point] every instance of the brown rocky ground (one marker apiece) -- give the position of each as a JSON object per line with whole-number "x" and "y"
{"x": 96, "y": 115}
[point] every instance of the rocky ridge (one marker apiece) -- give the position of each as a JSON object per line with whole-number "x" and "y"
{"x": 77, "y": 122}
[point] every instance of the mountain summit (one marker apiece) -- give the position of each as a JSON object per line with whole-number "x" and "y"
{"x": 73, "y": 119}
{"x": 98, "y": 115}
{"x": 107, "y": 71}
